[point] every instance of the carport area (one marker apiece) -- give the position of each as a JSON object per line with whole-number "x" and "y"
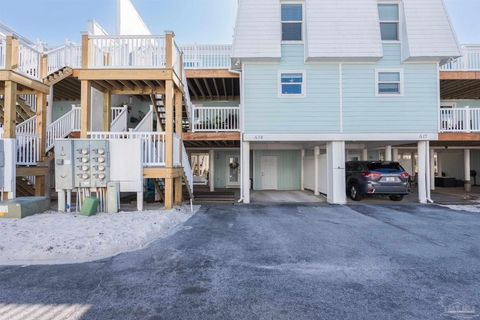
{"x": 271, "y": 196}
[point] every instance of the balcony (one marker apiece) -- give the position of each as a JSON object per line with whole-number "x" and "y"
{"x": 469, "y": 61}
{"x": 460, "y": 120}
{"x": 215, "y": 119}
{"x": 207, "y": 56}
{"x": 27, "y": 59}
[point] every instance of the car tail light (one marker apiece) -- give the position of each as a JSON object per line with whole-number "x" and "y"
{"x": 373, "y": 176}
{"x": 404, "y": 175}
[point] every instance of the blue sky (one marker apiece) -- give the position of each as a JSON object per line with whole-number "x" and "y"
{"x": 201, "y": 21}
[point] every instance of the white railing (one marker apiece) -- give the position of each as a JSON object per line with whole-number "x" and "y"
{"x": 68, "y": 55}
{"x": 469, "y": 61}
{"x": 460, "y": 120}
{"x": 215, "y": 119}
{"x": 3, "y": 46}
{"x": 146, "y": 125}
{"x": 30, "y": 100}
{"x": 127, "y": 52}
{"x": 28, "y": 60}
{"x": 177, "y": 59}
{"x": 187, "y": 169}
{"x": 27, "y": 149}
{"x": 153, "y": 144}
{"x": 119, "y": 119}
{"x": 207, "y": 56}
{"x": 27, "y": 127}
{"x": 62, "y": 127}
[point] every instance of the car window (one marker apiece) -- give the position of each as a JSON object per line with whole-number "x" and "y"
{"x": 385, "y": 167}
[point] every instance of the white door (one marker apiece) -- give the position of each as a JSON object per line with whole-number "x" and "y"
{"x": 268, "y": 168}
{"x": 233, "y": 171}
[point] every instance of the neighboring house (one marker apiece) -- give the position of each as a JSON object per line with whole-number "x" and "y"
{"x": 324, "y": 80}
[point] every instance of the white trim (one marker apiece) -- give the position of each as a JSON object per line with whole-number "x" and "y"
{"x": 341, "y": 137}
{"x": 304, "y": 84}
{"x": 448, "y": 103}
{"x": 390, "y": 70}
{"x": 340, "y": 73}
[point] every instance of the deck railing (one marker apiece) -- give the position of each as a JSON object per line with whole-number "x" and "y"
{"x": 469, "y": 61}
{"x": 460, "y": 120}
{"x": 28, "y": 60}
{"x": 207, "y": 56}
{"x": 215, "y": 119}
{"x": 68, "y": 55}
{"x": 3, "y": 45}
{"x": 187, "y": 169}
{"x": 146, "y": 124}
{"x": 127, "y": 52}
{"x": 119, "y": 119}
{"x": 62, "y": 127}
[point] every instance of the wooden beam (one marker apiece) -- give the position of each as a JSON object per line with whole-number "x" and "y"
{"x": 85, "y": 108}
{"x": 178, "y": 191}
{"x": 85, "y": 51}
{"x": 457, "y": 137}
{"x": 211, "y": 136}
{"x": 11, "y": 53}
{"x": 42, "y": 123}
{"x": 208, "y": 88}
{"x": 107, "y": 111}
{"x": 197, "y": 82}
{"x": 459, "y": 75}
{"x": 162, "y": 173}
{"x": 10, "y": 110}
{"x": 124, "y": 74}
{"x": 169, "y": 112}
{"x": 31, "y": 171}
{"x": 211, "y": 73}
{"x": 216, "y": 88}
{"x": 6, "y": 75}
{"x": 169, "y": 47}
{"x": 195, "y": 94}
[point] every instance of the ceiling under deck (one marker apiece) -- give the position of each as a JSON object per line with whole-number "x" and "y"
{"x": 214, "y": 88}
{"x": 460, "y": 89}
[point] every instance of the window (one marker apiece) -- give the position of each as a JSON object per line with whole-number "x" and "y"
{"x": 389, "y": 82}
{"x": 389, "y": 21}
{"x": 292, "y": 22}
{"x": 292, "y": 84}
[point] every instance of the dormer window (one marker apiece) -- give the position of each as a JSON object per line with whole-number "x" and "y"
{"x": 389, "y": 21}
{"x": 292, "y": 22}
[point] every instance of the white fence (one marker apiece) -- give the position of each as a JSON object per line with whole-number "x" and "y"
{"x": 469, "y": 61}
{"x": 146, "y": 125}
{"x": 68, "y": 55}
{"x": 127, "y": 52}
{"x": 27, "y": 127}
{"x": 215, "y": 119}
{"x": 62, "y": 127}
{"x": 207, "y": 56}
{"x": 29, "y": 60}
{"x": 460, "y": 120}
{"x": 3, "y": 45}
{"x": 27, "y": 149}
{"x": 119, "y": 119}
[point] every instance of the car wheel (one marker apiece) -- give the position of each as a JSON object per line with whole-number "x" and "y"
{"x": 396, "y": 198}
{"x": 355, "y": 194}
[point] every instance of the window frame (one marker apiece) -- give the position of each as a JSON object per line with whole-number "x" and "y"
{"x": 401, "y": 83}
{"x": 303, "y": 85}
{"x": 399, "y": 21}
{"x": 291, "y": 22}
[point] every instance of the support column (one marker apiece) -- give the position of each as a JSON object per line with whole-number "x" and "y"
{"x": 423, "y": 163}
{"x": 178, "y": 131}
{"x": 466, "y": 159}
{"x": 107, "y": 111}
{"x": 50, "y": 106}
{"x": 395, "y": 154}
{"x": 432, "y": 169}
{"x": 10, "y": 110}
{"x": 169, "y": 112}
{"x": 211, "y": 170}
{"x": 388, "y": 153}
{"x": 302, "y": 178}
{"x": 316, "y": 158}
{"x": 246, "y": 171}
{"x": 40, "y": 181}
{"x": 365, "y": 154}
{"x": 336, "y": 190}
{"x": 85, "y": 108}
{"x": 178, "y": 191}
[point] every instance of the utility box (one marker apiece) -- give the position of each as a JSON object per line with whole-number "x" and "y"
{"x": 100, "y": 163}
{"x": 64, "y": 179}
{"x": 82, "y": 163}
{"x": 113, "y": 197}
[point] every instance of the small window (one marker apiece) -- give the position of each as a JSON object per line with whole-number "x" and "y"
{"x": 292, "y": 84}
{"x": 389, "y": 21}
{"x": 389, "y": 83}
{"x": 292, "y": 22}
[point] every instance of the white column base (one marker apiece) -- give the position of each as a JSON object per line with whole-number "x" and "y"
{"x": 246, "y": 171}
{"x": 336, "y": 189}
{"x": 211, "y": 170}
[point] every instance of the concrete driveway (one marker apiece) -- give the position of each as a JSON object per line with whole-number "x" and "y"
{"x": 272, "y": 262}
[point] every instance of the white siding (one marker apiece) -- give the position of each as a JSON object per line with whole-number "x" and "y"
{"x": 347, "y": 29}
{"x": 429, "y": 32}
{"x": 257, "y": 31}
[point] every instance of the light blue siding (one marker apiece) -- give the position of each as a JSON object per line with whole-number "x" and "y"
{"x": 266, "y": 112}
{"x": 415, "y": 111}
{"x": 288, "y": 168}
{"x": 220, "y": 167}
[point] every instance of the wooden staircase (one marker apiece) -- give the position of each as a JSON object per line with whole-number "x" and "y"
{"x": 57, "y": 76}
{"x": 24, "y": 111}
{"x": 24, "y": 188}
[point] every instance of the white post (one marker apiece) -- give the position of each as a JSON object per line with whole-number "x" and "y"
{"x": 211, "y": 170}
{"x": 422, "y": 171}
{"x": 140, "y": 201}
{"x": 394, "y": 154}
{"x": 388, "y": 153}
{"x": 365, "y": 154}
{"x": 50, "y": 106}
{"x": 302, "y": 178}
{"x": 317, "y": 170}
{"x": 246, "y": 172}
{"x": 432, "y": 169}
{"x": 468, "y": 124}
{"x": 466, "y": 159}
{"x": 336, "y": 190}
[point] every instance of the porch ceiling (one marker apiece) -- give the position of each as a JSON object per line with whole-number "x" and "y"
{"x": 212, "y": 88}
{"x": 460, "y": 89}
{"x": 67, "y": 89}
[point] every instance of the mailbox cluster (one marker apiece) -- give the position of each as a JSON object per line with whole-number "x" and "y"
{"x": 82, "y": 164}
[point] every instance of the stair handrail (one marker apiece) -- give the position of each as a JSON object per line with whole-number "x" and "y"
{"x": 27, "y": 127}
{"x": 61, "y": 127}
{"x": 119, "y": 123}
{"x": 146, "y": 124}
{"x": 187, "y": 169}
{"x": 68, "y": 55}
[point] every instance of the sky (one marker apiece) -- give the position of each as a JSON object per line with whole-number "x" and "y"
{"x": 194, "y": 21}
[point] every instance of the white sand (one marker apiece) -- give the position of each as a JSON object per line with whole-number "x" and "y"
{"x": 59, "y": 238}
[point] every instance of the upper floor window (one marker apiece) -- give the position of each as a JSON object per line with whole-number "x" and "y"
{"x": 389, "y": 21}
{"x": 292, "y": 22}
{"x": 389, "y": 82}
{"x": 292, "y": 84}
